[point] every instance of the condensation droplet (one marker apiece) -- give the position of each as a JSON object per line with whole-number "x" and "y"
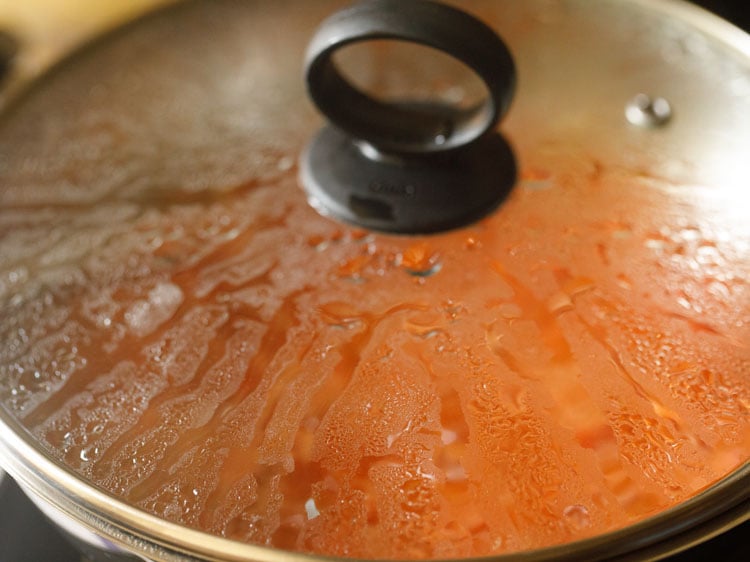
{"x": 420, "y": 261}
{"x": 510, "y": 311}
{"x": 577, "y": 516}
{"x": 318, "y": 242}
{"x": 624, "y": 281}
{"x": 560, "y": 303}
{"x": 285, "y": 164}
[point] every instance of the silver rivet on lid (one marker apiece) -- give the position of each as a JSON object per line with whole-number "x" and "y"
{"x": 645, "y": 111}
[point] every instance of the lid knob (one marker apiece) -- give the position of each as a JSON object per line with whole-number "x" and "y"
{"x": 408, "y": 167}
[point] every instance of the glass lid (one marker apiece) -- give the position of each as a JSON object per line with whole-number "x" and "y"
{"x": 184, "y": 331}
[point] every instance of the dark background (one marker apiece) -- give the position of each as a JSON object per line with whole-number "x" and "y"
{"x": 736, "y": 11}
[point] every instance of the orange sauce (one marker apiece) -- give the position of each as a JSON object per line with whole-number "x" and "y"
{"x": 570, "y": 365}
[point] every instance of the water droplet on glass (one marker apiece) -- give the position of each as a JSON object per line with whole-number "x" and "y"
{"x": 419, "y": 260}
{"x": 67, "y": 441}
{"x": 510, "y": 311}
{"x": 353, "y": 268}
{"x": 536, "y": 179}
{"x": 720, "y": 290}
{"x": 285, "y": 164}
{"x": 576, "y": 286}
{"x": 447, "y": 436}
{"x": 472, "y": 243}
{"x": 691, "y": 233}
{"x": 560, "y": 303}
{"x": 318, "y": 242}
{"x": 577, "y": 516}
{"x": 624, "y": 281}
{"x": 340, "y": 314}
{"x": 656, "y": 241}
{"x": 359, "y": 235}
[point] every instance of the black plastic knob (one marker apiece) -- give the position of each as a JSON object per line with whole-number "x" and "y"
{"x": 408, "y": 167}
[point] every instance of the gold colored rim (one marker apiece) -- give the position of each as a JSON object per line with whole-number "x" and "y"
{"x": 717, "y": 509}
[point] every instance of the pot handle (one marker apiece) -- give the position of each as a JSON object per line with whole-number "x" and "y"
{"x": 399, "y": 166}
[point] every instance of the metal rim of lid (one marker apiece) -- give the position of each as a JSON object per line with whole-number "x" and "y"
{"x": 719, "y": 508}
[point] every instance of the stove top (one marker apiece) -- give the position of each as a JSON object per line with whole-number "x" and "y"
{"x": 25, "y": 534}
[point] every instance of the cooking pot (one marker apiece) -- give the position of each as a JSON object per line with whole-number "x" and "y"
{"x": 551, "y": 314}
